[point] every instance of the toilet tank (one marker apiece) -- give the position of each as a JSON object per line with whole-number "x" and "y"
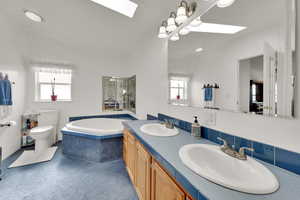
{"x": 48, "y": 117}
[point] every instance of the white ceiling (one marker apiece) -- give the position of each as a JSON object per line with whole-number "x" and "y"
{"x": 83, "y": 24}
{"x": 256, "y": 15}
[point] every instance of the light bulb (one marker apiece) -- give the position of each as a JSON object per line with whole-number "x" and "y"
{"x": 181, "y": 15}
{"x": 171, "y": 24}
{"x": 184, "y": 31}
{"x": 225, "y": 3}
{"x": 196, "y": 22}
{"x": 175, "y": 37}
{"x": 162, "y": 32}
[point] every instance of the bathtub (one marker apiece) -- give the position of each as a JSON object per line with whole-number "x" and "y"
{"x": 96, "y": 126}
{"x": 94, "y": 139}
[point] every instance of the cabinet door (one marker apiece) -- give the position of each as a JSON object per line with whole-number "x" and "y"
{"x": 162, "y": 186}
{"x": 142, "y": 172}
{"x": 125, "y": 147}
{"x": 130, "y": 157}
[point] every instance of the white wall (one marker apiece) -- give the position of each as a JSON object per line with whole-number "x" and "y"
{"x": 153, "y": 82}
{"x": 11, "y": 63}
{"x": 89, "y": 67}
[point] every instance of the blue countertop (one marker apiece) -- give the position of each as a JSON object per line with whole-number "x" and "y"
{"x": 165, "y": 150}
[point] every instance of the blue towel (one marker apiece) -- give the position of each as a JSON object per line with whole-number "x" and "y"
{"x": 208, "y": 94}
{"x": 5, "y": 92}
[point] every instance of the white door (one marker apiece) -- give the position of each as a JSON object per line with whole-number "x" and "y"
{"x": 270, "y": 79}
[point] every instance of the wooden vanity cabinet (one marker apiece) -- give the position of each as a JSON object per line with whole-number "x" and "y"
{"x": 130, "y": 155}
{"x": 162, "y": 186}
{"x": 142, "y": 172}
{"x": 150, "y": 180}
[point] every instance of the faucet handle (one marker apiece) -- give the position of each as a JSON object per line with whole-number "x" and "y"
{"x": 242, "y": 150}
{"x": 225, "y": 143}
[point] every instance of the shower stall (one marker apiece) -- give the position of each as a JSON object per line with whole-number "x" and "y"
{"x": 119, "y": 93}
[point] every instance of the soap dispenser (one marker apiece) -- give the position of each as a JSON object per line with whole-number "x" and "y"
{"x": 196, "y": 128}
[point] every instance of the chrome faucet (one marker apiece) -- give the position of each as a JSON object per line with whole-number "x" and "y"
{"x": 169, "y": 124}
{"x": 241, "y": 155}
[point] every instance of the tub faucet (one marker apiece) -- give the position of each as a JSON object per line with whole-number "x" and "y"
{"x": 241, "y": 155}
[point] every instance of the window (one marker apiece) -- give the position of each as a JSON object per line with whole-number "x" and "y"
{"x": 51, "y": 81}
{"x": 178, "y": 90}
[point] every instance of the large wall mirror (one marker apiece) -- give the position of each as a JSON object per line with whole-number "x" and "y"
{"x": 240, "y": 59}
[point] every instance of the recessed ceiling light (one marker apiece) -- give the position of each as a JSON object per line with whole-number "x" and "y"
{"x": 33, "y": 16}
{"x": 125, "y": 7}
{"x": 217, "y": 28}
{"x": 199, "y": 50}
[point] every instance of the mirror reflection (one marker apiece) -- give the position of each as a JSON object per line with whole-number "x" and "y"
{"x": 239, "y": 59}
{"x": 119, "y": 93}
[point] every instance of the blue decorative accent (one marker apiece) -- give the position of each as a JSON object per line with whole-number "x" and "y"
{"x": 151, "y": 117}
{"x": 5, "y": 92}
{"x": 208, "y": 94}
{"x": 287, "y": 160}
{"x": 267, "y": 153}
{"x": 114, "y": 116}
{"x": 263, "y": 152}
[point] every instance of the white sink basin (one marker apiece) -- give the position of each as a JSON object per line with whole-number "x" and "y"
{"x": 159, "y": 130}
{"x": 245, "y": 176}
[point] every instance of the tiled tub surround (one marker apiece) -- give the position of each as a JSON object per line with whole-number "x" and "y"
{"x": 273, "y": 155}
{"x": 100, "y": 149}
{"x": 96, "y": 148}
{"x": 165, "y": 151}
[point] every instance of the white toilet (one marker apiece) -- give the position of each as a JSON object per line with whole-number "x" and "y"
{"x": 45, "y": 133}
{"x": 45, "y": 136}
{"x": 42, "y": 136}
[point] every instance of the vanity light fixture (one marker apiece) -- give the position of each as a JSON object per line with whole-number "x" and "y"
{"x": 196, "y": 22}
{"x": 181, "y": 12}
{"x": 171, "y": 22}
{"x": 225, "y": 3}
{"x": 175, "y": 37}
{"x": 184, "y": 11}
{"x": 33, "y": 16}
{"x": 125, "y": 7}
{"x": 163, "y": 30}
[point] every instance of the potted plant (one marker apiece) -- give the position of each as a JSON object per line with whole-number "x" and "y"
{"x": 53, "y": 95}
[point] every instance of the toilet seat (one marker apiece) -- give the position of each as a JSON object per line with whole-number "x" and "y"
{"x": 40, "y": 130}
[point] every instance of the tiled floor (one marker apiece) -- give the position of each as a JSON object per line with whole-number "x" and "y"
{"x": 65, "y": 178}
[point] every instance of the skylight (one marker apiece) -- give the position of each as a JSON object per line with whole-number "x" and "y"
{"x": 217, "y": 28}
{"x": 125, "y": 7}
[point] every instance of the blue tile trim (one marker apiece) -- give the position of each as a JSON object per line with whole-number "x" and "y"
{"x": 151, "y": 117}
{"x": 114, "y": 116}
{"x": 264, "y": 152}
{"x": 95, "y": 137}
{"x": 287, "y": 160}
{"x": 184, "y": 125}
{"x": 282, "y": 158}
